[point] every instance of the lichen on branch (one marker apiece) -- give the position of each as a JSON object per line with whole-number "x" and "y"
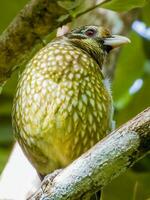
{"x": 101, "y": 164}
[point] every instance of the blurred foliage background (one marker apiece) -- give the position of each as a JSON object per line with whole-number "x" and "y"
{"x": 130, "y": 82}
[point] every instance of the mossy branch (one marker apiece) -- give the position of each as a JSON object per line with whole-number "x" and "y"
{"x": 101, "y": 164}
{"x": 36, "y": 20}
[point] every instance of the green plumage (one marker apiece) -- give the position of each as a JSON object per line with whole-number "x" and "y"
{"x": 62, "y": 106}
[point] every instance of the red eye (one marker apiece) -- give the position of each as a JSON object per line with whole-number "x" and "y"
{"x": 90, "y": 32}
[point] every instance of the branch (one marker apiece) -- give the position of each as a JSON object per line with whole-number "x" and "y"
{"x": 36, "y": 19}
{"x": 101, "y": 164}
{"x": 23, "y": 36}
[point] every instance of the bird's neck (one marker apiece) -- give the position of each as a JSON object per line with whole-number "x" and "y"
{"x": 90, "y": 48}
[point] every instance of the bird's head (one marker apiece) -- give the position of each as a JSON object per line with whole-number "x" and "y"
{"x": 96, "y": 41}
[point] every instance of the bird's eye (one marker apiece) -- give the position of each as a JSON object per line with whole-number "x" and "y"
{"x": 90, "y": 32}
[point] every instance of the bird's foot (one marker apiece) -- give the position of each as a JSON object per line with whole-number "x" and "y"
{"x": 45, "y": 185}
{"x": 47, "y": 181}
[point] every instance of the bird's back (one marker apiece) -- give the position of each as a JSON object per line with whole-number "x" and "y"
{"x": 62, "y": 106}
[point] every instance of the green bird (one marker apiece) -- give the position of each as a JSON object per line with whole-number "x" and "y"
{"x": 63, "y": 104}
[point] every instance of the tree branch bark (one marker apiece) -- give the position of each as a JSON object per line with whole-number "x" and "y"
{"x": 36, "y": 20}
{"x": 101, "y": 164}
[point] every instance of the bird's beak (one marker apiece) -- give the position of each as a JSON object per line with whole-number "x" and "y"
{"x": 116, "y": 41}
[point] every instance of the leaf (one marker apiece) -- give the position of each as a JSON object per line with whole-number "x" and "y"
{"x": 124, "y": 5}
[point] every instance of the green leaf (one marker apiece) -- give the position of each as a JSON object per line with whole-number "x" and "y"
{"x": 124, "y": 5}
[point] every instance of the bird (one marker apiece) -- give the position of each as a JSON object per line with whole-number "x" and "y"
{"x": 63, "y": 103}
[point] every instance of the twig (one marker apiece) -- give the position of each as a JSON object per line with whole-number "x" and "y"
{"x": 92, "y": 8}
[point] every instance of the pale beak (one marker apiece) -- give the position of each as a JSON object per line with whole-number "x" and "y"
{"x": 116, "y": 41}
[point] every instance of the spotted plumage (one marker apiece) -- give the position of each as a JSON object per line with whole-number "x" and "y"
{"x": 62, "y": 106}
